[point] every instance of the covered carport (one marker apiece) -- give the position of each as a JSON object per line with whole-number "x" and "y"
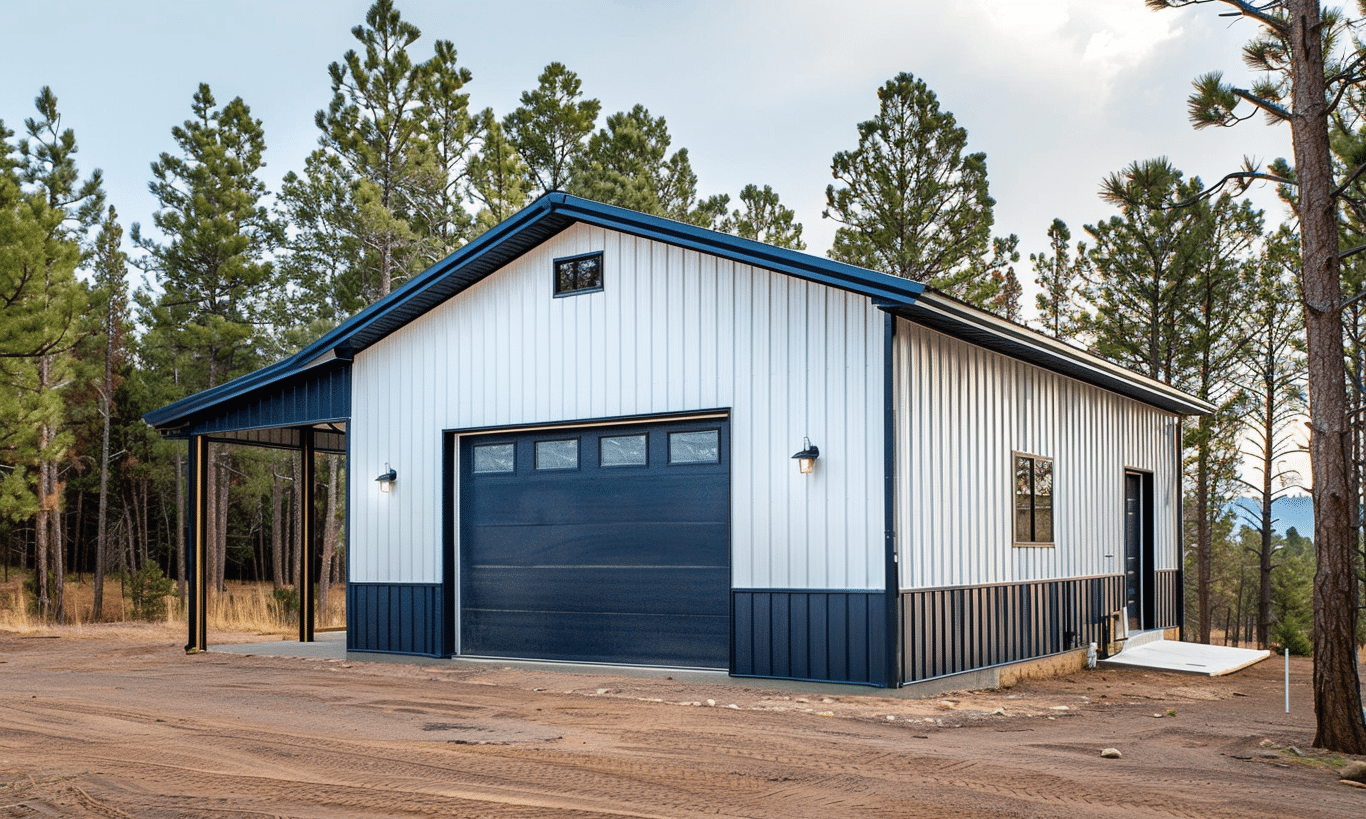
{"x": 284, "y": 406}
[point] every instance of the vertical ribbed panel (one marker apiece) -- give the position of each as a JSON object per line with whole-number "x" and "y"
{"x": 403, "y": 618}
{"x": 836, "y": 636}
{"x": 672, "y": 331}
{"x": 323, "y": 394}
{"x": 948, "y": 631}
{"x": 962, "y": 412}
{"x": 1168, "y": 608}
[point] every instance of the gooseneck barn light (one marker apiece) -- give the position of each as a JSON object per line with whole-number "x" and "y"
{"x": 806, "y": 459}
{"x": 386, "y": 481}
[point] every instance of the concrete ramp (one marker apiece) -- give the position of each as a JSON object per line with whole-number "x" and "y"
{"x": 1193, "y": 658}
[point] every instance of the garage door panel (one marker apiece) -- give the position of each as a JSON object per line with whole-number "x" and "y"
{"x": 611, "y": 590}
{"x": 614, "y": 544}
{"x": 687, "y": 496}
{"x": 624, "y": 564}
{"x": 694, "y": 641}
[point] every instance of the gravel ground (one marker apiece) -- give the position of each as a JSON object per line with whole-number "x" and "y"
{"x": 119, "y": 722}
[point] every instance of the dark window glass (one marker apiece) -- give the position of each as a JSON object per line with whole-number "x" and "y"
{"x": 1033, "y": 499}
{"x": 623, "y": 450}
{"x": 702, "y": 447}
{"x": 557, "y": 454}
{"x": 579, "y": 275}
{"x": 495, "y": 458}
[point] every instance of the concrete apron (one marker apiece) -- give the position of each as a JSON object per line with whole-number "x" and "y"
{"x": 331, "y": 645}
{"x": 1192, "y": 658}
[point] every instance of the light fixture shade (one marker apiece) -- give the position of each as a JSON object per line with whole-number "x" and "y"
{"x": 806, "y": 459}
{"x": 386, "y": 480}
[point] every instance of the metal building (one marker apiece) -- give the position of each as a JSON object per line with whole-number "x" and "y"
{"x": 585, "y": 426}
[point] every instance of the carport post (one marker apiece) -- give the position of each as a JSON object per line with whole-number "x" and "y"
{"x": 195, "y": 605}
{"x": 309, "y": 549}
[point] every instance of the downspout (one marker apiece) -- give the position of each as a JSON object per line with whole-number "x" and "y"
{"x": 893, "y": 580}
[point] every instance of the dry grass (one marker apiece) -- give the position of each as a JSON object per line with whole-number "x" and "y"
{"x": 249, "y": 607}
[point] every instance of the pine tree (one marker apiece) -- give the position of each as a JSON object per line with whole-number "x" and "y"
{"x": 498, "y": 176}
{"x": 211, "y": 265}
{"x": 1143, "y": 262}
{"x": 1000, "y": 269}
{"x": 1273, "y": 379}
{"x": 111, "y": 292}
{"x": 448, "y": 144}
{"x": 1163, "y": 278}
{"x": 1059, "y": 275}
{"x": 373, "y": 126}
{"x": 627, "y": 163}
{"x": 764, "y": 219}
{"x": 911, "y": 202}
{"x": 550, "y": 128}
{"x": 53, "y": 300}
{"x": 1305, "y": 59}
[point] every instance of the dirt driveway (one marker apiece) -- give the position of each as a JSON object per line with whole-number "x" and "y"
{"x": 125, "y": 725}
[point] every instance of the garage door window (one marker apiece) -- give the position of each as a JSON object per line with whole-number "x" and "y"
{"x": 702, "y": 447}
{"x": 493, "y": 458}
{"x": 557, "y": 454}
{"x": 623, "y": 450}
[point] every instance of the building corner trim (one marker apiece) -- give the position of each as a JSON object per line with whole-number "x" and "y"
{"x": 893, "y": 583}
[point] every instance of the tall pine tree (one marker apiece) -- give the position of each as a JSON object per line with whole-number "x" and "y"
{"x": 911, "y": 201}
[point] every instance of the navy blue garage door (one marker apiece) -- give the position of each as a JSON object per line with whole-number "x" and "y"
{"x": 609, "y": 544}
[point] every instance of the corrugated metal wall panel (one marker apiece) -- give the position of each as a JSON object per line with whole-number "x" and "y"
{"x": 949, "y": 631}
{"x": 402, "y": 618}
{"x": 810, "y": 635}
{"x": 672, "y": 331}
{"x": 962, "y": 411}
{"x": 320, "y": 395}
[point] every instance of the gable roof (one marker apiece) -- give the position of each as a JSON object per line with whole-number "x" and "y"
{"x": 554, "y": 212}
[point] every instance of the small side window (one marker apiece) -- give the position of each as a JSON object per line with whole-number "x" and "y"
{"x": 578, "y": 274}
{"x": 494, "y": 458}
{"x": 701, "y": 447}
{"x": 1033, "y": 499}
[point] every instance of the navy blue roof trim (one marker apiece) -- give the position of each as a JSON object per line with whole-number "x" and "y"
{"x": 542, "y": 219}
{"x": 554, "y": 212}
{"x": 947, "y": 315}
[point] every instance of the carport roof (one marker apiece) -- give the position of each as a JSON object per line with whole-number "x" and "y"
{"x": 554, "y": 212}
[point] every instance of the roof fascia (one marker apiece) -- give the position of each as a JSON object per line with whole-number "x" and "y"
{"x": 941, "y": 312}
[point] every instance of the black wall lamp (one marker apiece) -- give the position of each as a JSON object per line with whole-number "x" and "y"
{"x": 386, "y": 481}
{"x": 806, "y": 459}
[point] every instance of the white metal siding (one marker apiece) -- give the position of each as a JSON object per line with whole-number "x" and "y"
{"x": 672, "y": 331}
{"x": 962, "y": 412}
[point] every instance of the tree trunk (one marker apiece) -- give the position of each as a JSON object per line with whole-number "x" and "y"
{"x": 1264, "y": 553}
{"x": 220, "y": 535}
{"x": 277, "y": 528}
{"x": 180, "y": 524}
{"x": 329, "y": 536}
{"x": 1203, "y": 536}
{"x": 1337, "y": 692}
{"x": 296, "y": 538}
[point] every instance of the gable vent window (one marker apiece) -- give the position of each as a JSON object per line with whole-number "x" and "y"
{"x": 578, "y": 274}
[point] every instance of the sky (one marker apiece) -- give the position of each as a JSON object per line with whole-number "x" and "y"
{"x": 1057, "y": 93}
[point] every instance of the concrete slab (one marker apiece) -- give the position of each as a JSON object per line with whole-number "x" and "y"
{"x": 1193, "y": 658}
{"x": 326, "y": 645}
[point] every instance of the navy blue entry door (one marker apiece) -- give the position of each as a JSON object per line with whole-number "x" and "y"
{"x": 604, "y": 544}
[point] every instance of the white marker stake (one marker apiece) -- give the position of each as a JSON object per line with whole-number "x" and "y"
{"x": 1287, "y": 681}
